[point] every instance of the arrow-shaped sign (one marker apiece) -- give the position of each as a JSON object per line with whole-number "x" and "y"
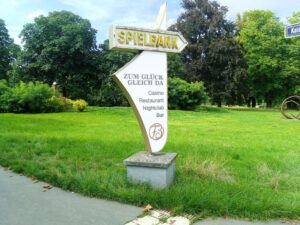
{"x": 132, "y": 38}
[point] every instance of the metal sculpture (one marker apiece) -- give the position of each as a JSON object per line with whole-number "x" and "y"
{"x": 292, "y": 100}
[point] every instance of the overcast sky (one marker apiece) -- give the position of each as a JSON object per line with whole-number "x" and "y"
{"x": 141, "y": 13}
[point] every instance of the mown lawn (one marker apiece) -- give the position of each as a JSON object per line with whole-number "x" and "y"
{"x": 230, "y": 163}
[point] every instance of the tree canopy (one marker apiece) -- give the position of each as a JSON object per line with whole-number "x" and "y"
{"x": 294, "y": 58}
{"x": 8, "y": 50}
{"x": 272, "y": 60}
{"x": 60, "y": 47}
{"x": 212, "y": 55}
{"x": 108, "y": 93}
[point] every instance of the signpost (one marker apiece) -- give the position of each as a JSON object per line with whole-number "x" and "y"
{"x": 132, "y": 38}
{"x": 292, "y": 30}
{"x": 144, "y": 82}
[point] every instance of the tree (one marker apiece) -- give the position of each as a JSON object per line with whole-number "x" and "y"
{"x": 109, "y": 93}
{"x": 294, "y": 60}
{"x": 212, "y": 55}
{"x": 175, "y": 66}
{"x": 295, "y": 18}
{"x": 8, "y": 51}
{"x": 60, "y": 47}
{"x": 271, "y": 68}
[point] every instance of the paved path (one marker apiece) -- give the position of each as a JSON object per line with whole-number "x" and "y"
{"x": 23, "y": 202}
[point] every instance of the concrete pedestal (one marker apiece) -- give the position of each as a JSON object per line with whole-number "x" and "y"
{"x": 154, "y": 169}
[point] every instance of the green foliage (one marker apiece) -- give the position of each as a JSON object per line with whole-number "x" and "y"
{"x": 3, "y": 87}
{"x": 32, "y": 97}
{"x": 212, "y": 55}
{"x": 184, "y": 95}
{"x": 297, "y": 90}
{"x": 60, "y": 47}
{"x": 80, "y": 105}
{"x": 5, "y": 94}
{"x": 68, "y": 103}
{"x": 295, "y": 18}
{"x": 55, "y": 104}
{"x": 7, "y": 51}
{"x": 273, "y": 61}
{"x": 293, "y": 68}
{"x": 109, "y": 94}
{"x": 175, "y": 66}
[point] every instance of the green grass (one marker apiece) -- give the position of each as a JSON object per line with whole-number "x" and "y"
{"x": 230, "y": 163}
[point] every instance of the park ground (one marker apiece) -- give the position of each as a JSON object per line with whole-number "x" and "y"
{"x": 236, "y": 163}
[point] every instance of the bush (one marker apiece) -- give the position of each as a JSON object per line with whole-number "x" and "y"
{"x": 55, "y": 104}
{"x": 3, "y": 87}
{"x": 29, "y": 98}
{"x": 5, "y": 93}
{"x": 80, "y": 105}
{"x": 184, "y": 95}
{"x": 68, "y": 103}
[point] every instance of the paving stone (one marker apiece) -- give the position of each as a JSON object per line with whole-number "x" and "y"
{"x": 160, "y": 214}
{"x": 146, "y": 220}
{"x": 178, "y": 220}
{"x": 131, "y": 223}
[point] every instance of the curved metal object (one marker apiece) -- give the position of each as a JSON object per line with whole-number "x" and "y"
{"x": 290, "y": 100}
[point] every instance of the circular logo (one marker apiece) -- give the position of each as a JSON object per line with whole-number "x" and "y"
{"x": 156, "y": 131}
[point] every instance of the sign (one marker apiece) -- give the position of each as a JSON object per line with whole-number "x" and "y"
{"x": 132, "y": 38}
{"x": 144, "y": 78}
{"x": 144, "y": 82}
{"x": 292, "y": 30}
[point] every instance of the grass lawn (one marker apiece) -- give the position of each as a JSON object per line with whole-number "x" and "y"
{"x": 230, "y": 163}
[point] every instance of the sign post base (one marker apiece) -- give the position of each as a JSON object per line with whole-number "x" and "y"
{"x": 154, "y": 169}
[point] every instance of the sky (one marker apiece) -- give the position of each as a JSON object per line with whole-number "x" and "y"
{"x": 139, "y": 13}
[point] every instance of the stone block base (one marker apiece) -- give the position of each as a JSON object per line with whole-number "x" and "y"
{"x": 154, "y": 169}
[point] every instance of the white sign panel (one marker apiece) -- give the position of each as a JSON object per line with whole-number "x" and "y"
{"x": 144, "y": 79}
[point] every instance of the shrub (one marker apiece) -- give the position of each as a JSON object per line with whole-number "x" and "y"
{"x": 184, "y": 95}
{"x": 5, "y": 93}
{"x": 80, "y": 105}
{"x": 55, "y": 104}
{"x": 68, "y": 103}
{"x": 3, "y": 87}
{"x": 29, "y": 98}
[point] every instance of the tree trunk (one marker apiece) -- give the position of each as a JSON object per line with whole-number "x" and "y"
{"x": 269, "y": 104}
{"x": 219, "y": 102}
{"x": 253, "y": 102}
